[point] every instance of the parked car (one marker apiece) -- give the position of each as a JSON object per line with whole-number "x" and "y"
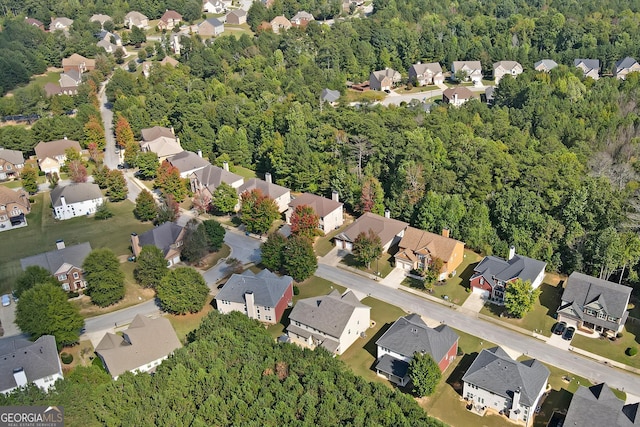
{"x": 6, "y": 300}
{"x": 132, "y": 258}
{"x": 120, "y": 166}
{"x": 560, "y": 328}
{"x": 568, "y": 333}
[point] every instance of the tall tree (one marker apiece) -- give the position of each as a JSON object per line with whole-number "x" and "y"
{"x": 32, "y": 276}
{"x": 151, "y": 267}
{"x": 520, "y": 297}
{"x": 94, "y": 133}
{"x": 424, "y": 373}
{"x": 105, "y": 280}
{"x": 117, "y": 186}
{"x": 168, "y": 180}
{"x": 29, "y": 177}
{"x": 195, "y": 244}
{"x": 225, "y": 198}
{"x": 124, "y": 134}
{"x": 367, "y": 247}
{"x": 77, "y": 171}
{"x": 168, "y": 210}
{"x": 146, "y": 209}
{"x": 45, "y": 310}
{"x": 371, "y": 196}
{"x": 272, "y": 251}
{"x": 215, "y": 234}
{"x": 101, "y": 176}
{"x": 299, "y": 259}
{"x": 257, "y": 211}
{"x": 147, "y": 163}
{"x": 182, "y": 291}
{"x": 304, "y": 222}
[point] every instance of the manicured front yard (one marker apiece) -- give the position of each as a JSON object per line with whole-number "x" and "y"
{"x": 416, "y": 89}
{"x": 614, "y": 350}
{"x": 324, "y": 244}
{"x": 183, "y": 324}
{"x": 382, "y": 265}
{"x": 366, "y": 96}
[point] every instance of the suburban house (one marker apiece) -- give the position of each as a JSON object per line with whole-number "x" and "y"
{"x": 169, "y": 20}
{"x": 410, "y": 335}
{"x": 329, "y": 96}
{"x": 598, "y": 406}
{"x": 211, "y": 27}
{"x": 456, "y": 96}
{"x": 489, "y": 95}
{"x": 329, "y": 211}
{"x": 467, "y": 70}
{"x": 11, "y": 163}
{"x": 236, "y": 17}
{"x": 64, "y": 263}
{"x": 493, "y": 274}
{"x": 545, "y": 65}
{"x": 167, "y": 60}
{"x": 263, "y": 296}
{"x": 104, "y": 34}
{"x": 280, "y": 23}
{"x": 74, "y": 200}
{"x": 167, "y": 237}
{"x": 78, "y": 63}
{"x": 23, "y": 362}
{"x": 100, "y": 18}
{"x": 141, "y": 348}
{"x": 136, "y": 19}
{"x": 594, "y": 303}
{"x": 188, "y": 162}
{"x": 301, "y": 19}
{"x": 280, "y": 194}
{"x": 62, "y": 24}
{"x": 333, "y": 321}
{"x": 418, "y": 248}
{"x": 34, "y": 22}
{"x": 429, "y": 73}
{"x": 625, "y": 66}
{"x": 503, "y": 68}
{"x": 51, "y": 155}
{"x": 589, "y": 67}
{"x": 110, "y": 47}
{"x": 384, "y": 79}
{"x": 14, "y": 206}
{"x": 214, "y": 6}
{"x": 496, "y": 382}
{"x": 160, "y": 140}
{"x": 210, "y": 177}
{"x": 389, "y": 230}
{"x": 68, "y": 84}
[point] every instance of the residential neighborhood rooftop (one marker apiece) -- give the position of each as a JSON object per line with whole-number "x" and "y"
{"x": 74, "y": 193}
{"x": 267, "y": 287}
{"x": 385, "y": 228}
{"x": 519, "y": 266}
{"x": 162, "y": 236}
{"x": 320, "y": 205}
{"x": 53, "y": 260}
{"x": 597, "y": 406}
{"x": 38, "y": 359}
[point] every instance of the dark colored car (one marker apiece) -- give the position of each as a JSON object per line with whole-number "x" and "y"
{"x": 120, "y": 166}
{"x": 568, "y": 333}
{"x": 560, "y": 328}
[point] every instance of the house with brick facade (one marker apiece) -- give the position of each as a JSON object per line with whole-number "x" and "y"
{"x": 14, "y": 206}
{"x": 11, "y": 163}
{"x": 64, "y": 263}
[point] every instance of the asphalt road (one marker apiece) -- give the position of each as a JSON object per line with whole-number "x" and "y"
{"x": 529, "y": 346}
{"x": 395, "y": 99}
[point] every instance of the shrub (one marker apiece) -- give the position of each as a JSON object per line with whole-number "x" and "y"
{"x": 632, "y": 351}
{"x": 66, "y": 358}
{"x": 619, "y": 335}
{"x": 296, "y": 290}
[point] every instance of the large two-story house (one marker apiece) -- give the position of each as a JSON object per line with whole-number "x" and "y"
{"x": 167, "y": 237}
{"x": 429, "y": 73}
{"x": 14, "y": 206}
{"x": 493, "y": 274}
{"x": 467, "y": 70}
{"x": 506, "y": 68}
{"x": 388, "y": 229}
{"x": 281, "y": 195}
{"x": 207, "y": 179}
{"x": 23, "y": 362}
{"x": 597, "y": 406}
{"x": 74, "y": 200}
{"x": 64, "y": 263}
{"x": 11, "y": 163}
{"x": 52, "y": 155}
{"x": 589, "y": 67}
{"x": 594, "y": 303}
{"x": 418, "y": 248}
{"x": 160, "y": 140}
{"x": 329, "y": 211}
{"x": 384, "y": 79}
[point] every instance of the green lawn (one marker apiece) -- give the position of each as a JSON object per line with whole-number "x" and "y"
{"x": 366, "y": 96}
{"x": 383, "y": 265}
{"x": 183, "y": 324}
{"x": 614, "y": 350}
{"x": 16, "y": 183}
{"x": 417, "y": 89}
{"x": 243, "y": 172}
{"x": 43, "y": 231}
{"x": 324, "y": 245}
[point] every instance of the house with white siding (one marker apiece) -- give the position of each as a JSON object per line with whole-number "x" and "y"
{"x": 75, "y": 200}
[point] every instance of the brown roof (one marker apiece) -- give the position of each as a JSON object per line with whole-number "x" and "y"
{"x": 8, "y": 195}
{"x": 144, "y": 341}
{"x": 171, "y": 14}
{"x": 156, "y": 132}
{"x": 320, "y": 205}
{"x": 169, "y": 60}
{"x": 461, "y": 91}
{"x": 12, "y": 156}
{"x": 385, "y": 228}
{"x": 55, "y": 148}
{"x": 75, "y": 60}
{"x": 420, "y": 241}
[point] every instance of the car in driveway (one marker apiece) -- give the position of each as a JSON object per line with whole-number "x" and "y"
{"x": 560, "y": 328}
{"x": 6, "y": 300}
{"x": 568, "y": 333}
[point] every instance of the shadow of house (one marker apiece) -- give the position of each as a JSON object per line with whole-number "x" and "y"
{"x": 455, "y": 378}
{"x": 550, "y": 297}
{"x": 466, "y": 274}
{"x": 371, "y": 346}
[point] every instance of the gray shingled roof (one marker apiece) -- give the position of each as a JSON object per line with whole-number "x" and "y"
{"x": 162, "y": 236}
{"x": 53, "y": 260}
{"x": 495, "y": 371}
{"x": 390, "y": 365}
{"x": 597, "y": 406}
{"x": 590, "y": 64}
{"x": 425, "y": 67}
{"x": 38, "y": 359}
{"x": 212, "y": 176}
{"x": 267, "y": 288}
{"x": 626, "y": 62}
{"x": 74, "y": 193}
{"x": 385, "y": 228}
{"x": 519, "y": 266}
{"x": 320, "y": 205}
{"x": 268, "y": 189}
{"x": 329, "y": 95}
{"x": 12, "y": 156}
{"x": 328, "y": 314}
{"x": 548, "y": 64}
{"x": 409, "y": 334}
{"x": 186, "y": 161}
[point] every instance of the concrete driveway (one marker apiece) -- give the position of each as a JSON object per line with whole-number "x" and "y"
{"x": 474, "y": 302}
{"x": 7, "y": 317}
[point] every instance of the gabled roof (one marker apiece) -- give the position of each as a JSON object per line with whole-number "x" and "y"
{"x": 144, "y": 341}
{"x": 587, "y": 64}
{"x": 507, "y": 65}
{"x": 385, "y": 228}
{"x": 156, "y": 132}
{"x": 53, "y": 260}
{"x": 329, "y": 95}
{"x": 409, "y": 335}
{"x": 470, "y": 66}
{"x": 171, "y": 14}
{"x": 625, "y": 63}
{"x": 426, "y": 68}
{"x": 267, "y": 288}
{"x": 163, "y": 146}
{"x": 55, "y": 148}
{"x": 75, "y": 193}
{"x": 38, "y": 359}
{"x": 19, "y": 196}
{"x": 162, "y": 236}
{"x": 320, "y": 205}
{"x": 519, "y": 266}
{"x": 169, "y": 60}
{"x": 60, "y": 22}
{"x": 187, "y": 160}
{"x": 281, "y": 21}
{"x": 461, "y": 91}
{"x": 597, "y": 406}
{"x": 76, "y": 60}
{"x": 302, "y": 16}
{"x": 584, "y": 290}
{"x": 100, "y": 18}
{"x": 495, "y": 371}
{"x": 548, "y": 64}
{"x": 33, "y": 21}
{"x": 212, "y": 176}
{"x": 329, "y": 313}
{"x": 12, "y": 156}
{"x": 436, "y": 245}
{"x": 268, "y": 189}
{"x": 387, "y": 72}
{"x": 135, "y": 16}
{"x": 214, "y": 22}
{"x": 238, "y": 12}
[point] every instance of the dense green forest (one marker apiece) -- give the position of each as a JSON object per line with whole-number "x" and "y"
{"x": 231, "y": 373}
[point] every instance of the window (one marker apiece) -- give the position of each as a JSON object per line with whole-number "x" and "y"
{"x": 65, "y": 286}
{"x": 62, "y": 277}
{"x": 8, "y": 167}
{"x": 76, "y": 275}
{"x": 602, "y": 315}
{"x": 267, "y": 317}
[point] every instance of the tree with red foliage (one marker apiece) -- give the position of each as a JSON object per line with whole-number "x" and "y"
{"x": 94, "y": 152}
{"x": 304, "y": 222}
{"x": 169, "y": 210}
{"x": 257, "y": 211}
{"x": 168, "y": 180}
{"x": 77, "y": 171}
{"x": 124, "y": 134}
{"x": 94, "y": 132}
{"x": 371, "y": 196}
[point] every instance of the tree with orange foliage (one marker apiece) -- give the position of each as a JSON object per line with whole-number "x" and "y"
{"x": 94, "y": 133}
{"x": 77, "y": 171}
{"x": 258, "y": 211}
{"x": 124, "y": 134}
{"x": 305, "y": 222}
{"x": 168, "y": 180}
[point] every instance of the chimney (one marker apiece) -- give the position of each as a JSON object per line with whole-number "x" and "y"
{"x": 225, "y": 165}
{"x": 512, "y": 252}
{"x": 455, "y": 98}
{"x": 267, "y": 177}
{"x": 65, "y": 137}
{"x": 200, "y": 153}
{"x": 135, "y": 244}
{"x": 516, "y": 399}
{"x": 172, "y": 130}
{"x": 251, "y": 305}
{"x": 60, "y": 244}
{"x": 387, "y": 213}
{"x": 445, "y": 232}
{"x": 335, "y": 196}
{"x": 20, "y": 377}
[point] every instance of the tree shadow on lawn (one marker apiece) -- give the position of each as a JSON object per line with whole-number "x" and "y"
{"x": 455, "y": 378}
{"x": 556, "y": 401}
{"x": 550, "y": 297}
{"x": 371, "y": 347}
